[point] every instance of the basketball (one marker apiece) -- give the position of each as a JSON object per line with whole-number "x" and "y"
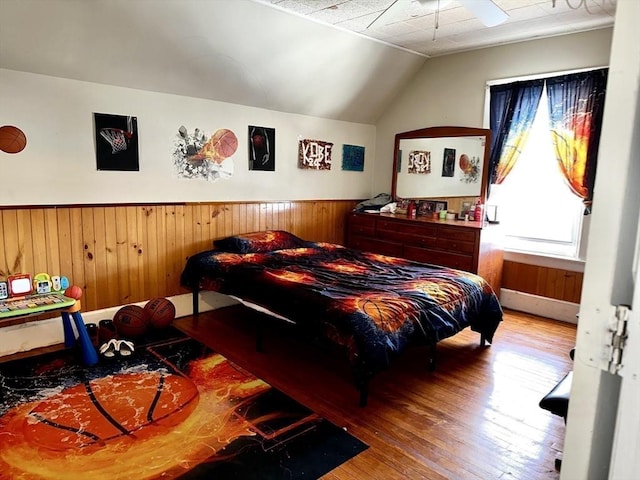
{"x": 12, "y": 139}
{"x": 258, "y": 140}
{"x": 147, "y": 403}
{"x": 225, "y": 144}
{"x": 131, "y": 321}
{"x": 73, "y": 291}
{"x": 160, "y": 312}
{"x": 465, "y": 164}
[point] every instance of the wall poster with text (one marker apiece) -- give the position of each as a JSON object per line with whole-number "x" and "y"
{"x": 314, "y": 154}
{"x": 419, "y": 162}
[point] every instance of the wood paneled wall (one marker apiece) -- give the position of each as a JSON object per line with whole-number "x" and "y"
{"x": 543, "y": 281}
{"x": 126, "y": 254}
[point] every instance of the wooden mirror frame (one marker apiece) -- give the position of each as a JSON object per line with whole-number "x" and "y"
{"x": 435, "y": 132}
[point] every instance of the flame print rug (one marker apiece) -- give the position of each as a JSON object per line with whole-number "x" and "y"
{"x": 174, "y": 409}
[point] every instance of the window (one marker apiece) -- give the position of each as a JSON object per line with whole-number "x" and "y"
{"x": 546, "y": 221}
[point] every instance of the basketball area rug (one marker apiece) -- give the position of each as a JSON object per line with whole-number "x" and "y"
{"x": 174, "y": 409}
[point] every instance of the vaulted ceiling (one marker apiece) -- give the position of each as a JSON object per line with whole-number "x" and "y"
{"x": 253, "y": 53}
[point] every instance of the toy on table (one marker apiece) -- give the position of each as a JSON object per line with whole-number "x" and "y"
{"x": 19, "y": 295}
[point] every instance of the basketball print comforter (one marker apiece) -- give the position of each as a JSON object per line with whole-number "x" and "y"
{"x": 374, "y": 305}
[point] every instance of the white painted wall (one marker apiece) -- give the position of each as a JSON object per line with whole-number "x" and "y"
{"x": 58, "y": 165}
{"x": 450, "y": 90}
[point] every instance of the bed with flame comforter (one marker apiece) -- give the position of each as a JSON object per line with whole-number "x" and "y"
{"x": 374, "y": 305}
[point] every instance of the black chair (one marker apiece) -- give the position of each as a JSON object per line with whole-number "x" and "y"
{"x": 557, "y": 400}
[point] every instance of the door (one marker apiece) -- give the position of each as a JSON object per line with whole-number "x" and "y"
{"x": 600, "y": 436}
{"x": 625, "y": 461}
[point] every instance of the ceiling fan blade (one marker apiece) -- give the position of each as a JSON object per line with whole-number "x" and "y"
{"x": 487, "y": 12}
{"x": 392, "y": 11}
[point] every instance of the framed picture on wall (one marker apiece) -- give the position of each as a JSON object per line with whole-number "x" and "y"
{"x": 262, "y": 148}
{"x": 441, "y": 206}
{"x": 116, "y": 138}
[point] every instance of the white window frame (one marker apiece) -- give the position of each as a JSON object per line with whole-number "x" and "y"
{"x": 556, "y": 261}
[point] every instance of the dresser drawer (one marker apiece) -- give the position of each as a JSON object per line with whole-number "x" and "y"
{"x": 455, "y": 246}
{"x": 375, "y": 246}
{"x": 419, "y": 235}
{"x": 367, "y": 220}
{"x": 361, "y": 229}
{"x": 417, "y": 229}
{"x": 406, "y": 238}
{"x": 452, "y": 233}
{"x": 446, "y": 259}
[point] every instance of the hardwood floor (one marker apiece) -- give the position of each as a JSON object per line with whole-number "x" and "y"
{"x": 475, "y": 417}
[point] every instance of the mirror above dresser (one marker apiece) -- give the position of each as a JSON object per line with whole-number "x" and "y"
{"x": 451, "y": 166}
{"x": 441, "y": 163}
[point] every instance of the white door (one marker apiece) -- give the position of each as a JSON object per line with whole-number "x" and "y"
{"x": 625, "y": 458}
{"x": 601, "y": 437}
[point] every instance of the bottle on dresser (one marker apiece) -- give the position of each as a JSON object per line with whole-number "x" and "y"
{"x": 478, "y": 211}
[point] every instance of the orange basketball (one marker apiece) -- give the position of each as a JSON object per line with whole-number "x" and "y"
{"x": 465, "y": 164}
{"x": 123, "y": 406}
{"x": 73, "y": 291}
{"x": 225, "y": 143}
{"x": 12, "y": 139}
{"x": 160, "y": 312}
{"x": 131, "y": 321}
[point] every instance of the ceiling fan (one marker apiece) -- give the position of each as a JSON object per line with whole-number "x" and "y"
{"x": 486, "y": 11}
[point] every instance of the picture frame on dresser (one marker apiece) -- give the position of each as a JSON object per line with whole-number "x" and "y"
{"x": 426, "y": 207}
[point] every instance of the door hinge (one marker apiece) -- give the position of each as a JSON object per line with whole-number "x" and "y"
{"x": 618, "y": 338}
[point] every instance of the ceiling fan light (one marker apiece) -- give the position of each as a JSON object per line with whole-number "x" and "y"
{"x": 433, "y": 5}
{"x": 487, "y": 11}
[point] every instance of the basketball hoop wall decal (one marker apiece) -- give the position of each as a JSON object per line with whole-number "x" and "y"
{"x": 12, "y": 139}
{"x": 116, "y": 140}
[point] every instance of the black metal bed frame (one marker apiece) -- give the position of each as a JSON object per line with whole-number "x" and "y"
{"x": 360, "y": 374}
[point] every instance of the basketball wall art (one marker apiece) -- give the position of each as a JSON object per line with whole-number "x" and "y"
{"x": 470, "y": 168}
{"x": 262, "y": 148}
{"x": 116, "y": 139}
{"x": 12, "y": 139}
{"x": 314, "y": 154}
{"x": 198, "y": 156}
{"x": 353, "y": 158}
{"x": 448, "y": 162}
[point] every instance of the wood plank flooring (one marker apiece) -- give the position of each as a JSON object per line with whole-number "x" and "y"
{"x": 475, "y": 417}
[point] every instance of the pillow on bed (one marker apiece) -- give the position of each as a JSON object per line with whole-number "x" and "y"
{"x": 259, "y": 242}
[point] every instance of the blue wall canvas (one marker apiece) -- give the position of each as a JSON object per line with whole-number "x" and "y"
{"x": 353, "y": 158}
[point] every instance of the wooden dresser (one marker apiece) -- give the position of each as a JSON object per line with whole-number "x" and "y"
{"x": 462, "y": 245}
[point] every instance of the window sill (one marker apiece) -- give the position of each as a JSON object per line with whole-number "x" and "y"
{"x": 570, "y": 264}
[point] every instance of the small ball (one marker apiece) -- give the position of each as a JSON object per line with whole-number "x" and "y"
{"x": 74, "y": 291}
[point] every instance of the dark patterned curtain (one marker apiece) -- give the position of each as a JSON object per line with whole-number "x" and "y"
{"x": 576, "y": 104}
{"x": 512, "y": 111}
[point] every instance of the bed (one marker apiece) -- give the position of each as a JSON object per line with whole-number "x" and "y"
{"x": 374, "y": 306}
